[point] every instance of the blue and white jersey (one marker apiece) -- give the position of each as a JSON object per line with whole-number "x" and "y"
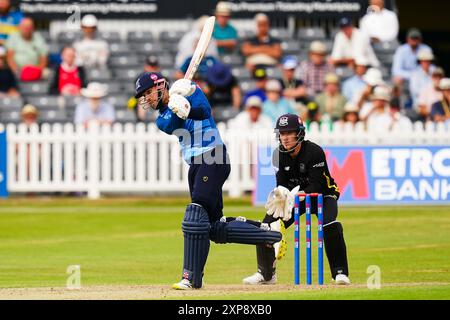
{"x": 196, "y": 136}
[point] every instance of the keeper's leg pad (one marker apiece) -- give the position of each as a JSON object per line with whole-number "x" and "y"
{"x": 335, "y": 248}
{"x": 196, "y": 228}
{"x": 242, "y": 233}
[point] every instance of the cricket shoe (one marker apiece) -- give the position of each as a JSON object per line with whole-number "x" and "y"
{"x": 258, "y": 279}
{"x": 342, "y": 280}
{"x": 280, "y": 247}
{"x": 183, "y": 285}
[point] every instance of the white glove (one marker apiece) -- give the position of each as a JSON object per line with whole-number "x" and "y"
{"x": 180, "y": 106}
{"x": 182, "y": 87}
{"x": 281, "y": 201}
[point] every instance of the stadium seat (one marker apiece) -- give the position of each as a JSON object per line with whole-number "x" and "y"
{"x": 146, "y": 48}
{"x": 45, "y": 34}
{"x": 344, "y": 73}
{"x": 127, "y": 61}
{"x": 386, "y": 47}
{"x": 10, "y": 117}
{"x": 140, "y": 36}
{"x": 33, "y": 88}
{"x": 171, "y": 36}
{"x": 54, "y": 48}
{"x": 224, "y": 113}
{"x": 311, "y": 34}
{"x": 70, "y": 102}
{"x": 98, "y": 75}
{"x": 281, "y": 34}
{"x": 128, "y": 74}
{"x": 118, "y": 101}
{"x": 274, "y": 73}
{"x": 291, "y": 47}
{"x": 171, "y": 47}
{"x": 119, "y": 49}
{"x": 241, "y": 73}
{"x": 10, "y": 104}
{"x": 245, "y": 34}
{"x": 110, "y": 36}
{"x": 125, "y": 116}
{"x": 113, "y": 87}
{"x": 166, "y": 61}
{"x": 247, "y": 85}
{"x": 233, "y": 60}
{"x": 53, "y": 116}
{"x": 45, "y": 102}
{"x": 68, "y": 37}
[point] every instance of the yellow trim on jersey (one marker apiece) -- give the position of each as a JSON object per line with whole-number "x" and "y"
{"x": 336, "y": 188}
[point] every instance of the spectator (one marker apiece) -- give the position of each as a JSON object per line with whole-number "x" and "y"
{"x": 421, "y": 77}
{"x": 262, "y": 49}
{"x": 293, "y": 88}
{"x": 440, "y": 112}
{"x": 152, "y": 64}
{"x": 260, "y": 76}
{"x": 9, "y": 20}
{"x": 350, "y": 44}
{"x": 8, "y": 83}
{"x": 27, "y": 52}
{"x": 363, "y": 99}
{"x": 380, "y": 24}
{"x": 351, "y": 113}
{"x": 313, "y": 71}
{"x": 356, "y": 83}
{"x": 29, "y": 115}
{"x": 405, "y": 58}
{"x": 222, "y": 87}
{"x": 275, "y": 105}
{"x": 252, "y": 117}
{"x": 68, "y": 78}
{"x": 186, "y": 47}
{"x": 225, "y": 34}
{"x": 202, "y": 71}
{"x": 93, "y": 108}
{"x": 92, "y": 52}
{"x": 382, "y": 117}
{"x": 429, "y": 95}
{"x": 331, "y": 102}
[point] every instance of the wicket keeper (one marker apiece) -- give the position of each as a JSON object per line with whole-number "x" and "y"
{"x": 185, "y": 112}
{"x": 301, "y": 167}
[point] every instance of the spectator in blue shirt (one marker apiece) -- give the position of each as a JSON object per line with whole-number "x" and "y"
{"x": 405, "y": 59}
{"x": 355, "y": 84}
{"x": 275, "y": 106}
{"x": 260, "y": 75}
{"x": 225, "y": 34}
{"x": 422, "y": 76}
{"x": 93, "y": 108}
{"x": 9, "y": 20}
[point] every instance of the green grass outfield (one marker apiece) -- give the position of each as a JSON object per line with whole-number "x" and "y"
{"x": 132, "y": 249}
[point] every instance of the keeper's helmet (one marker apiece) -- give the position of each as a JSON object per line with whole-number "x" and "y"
{"x": 290, "y": 123}
{"x": 147, "y": 81}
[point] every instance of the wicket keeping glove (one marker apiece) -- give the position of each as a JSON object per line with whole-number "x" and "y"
{"x": 280, "y": 203}
{"x": 180, "y": 106}
{"x": 183, "y": 87}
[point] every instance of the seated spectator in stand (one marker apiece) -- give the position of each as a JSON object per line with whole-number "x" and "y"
{"x": 225, "y": 34}
{"x": 202, "y": 71}
{"x": 68, "y": 78}
{"x": 29, "y": 115}
{"x": 27, "y": 52}
{"x": 363, "y": 99}
{"x": 313, "y": 71}
{"x": 275, "y": 105}
{"x": 380, "y": 24}
{"x": 262, "y": 49}
{"x": 188, "y": 43}
{"x": 351, "y": 114}
{"x": 382, "y": 117}
{"x": 260, "y": 75}
{"x": 405, "y": 58}
{"x": 9, "y": 20}
{"x": 440, "y": 112}
{"x": 293, "y": 88}
{"x": 222, "y": 87}
{"x": 152, "y": 64}
{"x": 350, "y": 44}
{"x": 421, "y": 77}
{"x": 92, "y": 52}
{"x": 8, "y": 83}
{"x": 331, "y": 102}
{"x": 356, "y": 83}
{"x": 429, "y": 95}
{"x": 93, "y": 108}
{"x": 251, "y": 117}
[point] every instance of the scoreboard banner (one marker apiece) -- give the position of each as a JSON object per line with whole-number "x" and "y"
{"x": 160, "y": 9}
{"x": 376, "y": 175}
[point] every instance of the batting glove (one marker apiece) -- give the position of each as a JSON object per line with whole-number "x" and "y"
{"x": 180, "y": 106}
{"x": 183, "y": 87}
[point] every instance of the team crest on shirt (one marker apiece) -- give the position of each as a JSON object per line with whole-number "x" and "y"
{"x": 205, "y": 179}
{"x": 302, "y": 167}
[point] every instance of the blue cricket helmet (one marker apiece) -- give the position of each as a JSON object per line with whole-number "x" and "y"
{"x": 148, "y": 80}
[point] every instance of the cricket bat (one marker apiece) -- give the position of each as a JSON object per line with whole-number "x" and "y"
{"x": 200, "y": 50}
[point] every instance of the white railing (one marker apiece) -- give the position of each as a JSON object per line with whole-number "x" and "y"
{"x": 137, "y": 158}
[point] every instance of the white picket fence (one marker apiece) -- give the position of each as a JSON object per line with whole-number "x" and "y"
{"x": 137, "y": 158}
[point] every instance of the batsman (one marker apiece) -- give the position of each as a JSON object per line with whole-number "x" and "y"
{"x": 301, "y": 167}
{"x": 185, "y": 112}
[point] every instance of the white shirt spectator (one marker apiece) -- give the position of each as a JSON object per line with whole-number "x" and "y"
{"x": 243, "y": 122}
{"x": 92, "y": 53}
{"x": 429, "y": 96}
{"x": 382, "y": 25}
{"x": 358, "y": 46}
{"x": 387, "y": 121}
